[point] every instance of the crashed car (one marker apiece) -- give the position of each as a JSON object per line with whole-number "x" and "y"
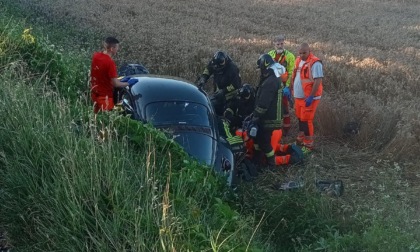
{"x": 185, "y": 114}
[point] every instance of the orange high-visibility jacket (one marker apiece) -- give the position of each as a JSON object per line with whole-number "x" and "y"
{"x": 306, "y": 75}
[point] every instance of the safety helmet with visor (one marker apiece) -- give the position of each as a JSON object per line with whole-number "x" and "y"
{"x": 219, "y": 60}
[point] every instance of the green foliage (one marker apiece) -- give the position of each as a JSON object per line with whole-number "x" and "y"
{"x": 377, "y": 237}
{"x": 99, "y": 183}
{"x": 289, "y": 218}
{"x": 92, "y": 185}
{"x": 64, "y": 72}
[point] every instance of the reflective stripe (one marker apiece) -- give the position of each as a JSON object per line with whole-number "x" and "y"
{"x": 230, "y": 88}
{"x": 206, "y": 71}
{"x": 227, "y": 130}
{"x": 229, "y": 137}
{"x": 276, "y": 124}
{"x": 260, "y": 110}
{"x": 279, "y": 104}
{"x": 230, "y": 95}
{"x": 229, "y": 110}
{"x": 269, "y": 154}
{"x": 234, "y": 140}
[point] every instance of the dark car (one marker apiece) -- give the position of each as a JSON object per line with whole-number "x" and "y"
{"x": 185, "y": 113}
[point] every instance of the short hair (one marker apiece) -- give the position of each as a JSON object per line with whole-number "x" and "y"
{"x": 111, "y": 42}
{"x": 305, "y": 45}
{"x": 280, "y": 37}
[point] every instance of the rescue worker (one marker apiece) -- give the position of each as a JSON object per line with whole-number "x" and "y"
{"x": 284, "y": 154}
{"x": 226, "y": 78}
{"x": 307, "y": 91}
{"x": 267, "y": 113}
{"x": 286, "y": 59}
{"x": 238, "y": 145}
{"x": 241, "y": 106}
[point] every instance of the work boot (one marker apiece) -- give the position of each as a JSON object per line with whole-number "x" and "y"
{"x": 271, "y": 162}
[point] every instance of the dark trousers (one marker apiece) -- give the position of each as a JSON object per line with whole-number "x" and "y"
{"x": 263, "y": 140}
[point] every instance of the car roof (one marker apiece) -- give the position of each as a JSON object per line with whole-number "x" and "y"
{"x": 153, "y": 88}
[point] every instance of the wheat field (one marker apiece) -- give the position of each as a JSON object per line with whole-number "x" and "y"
{"x": 370, "y": 51}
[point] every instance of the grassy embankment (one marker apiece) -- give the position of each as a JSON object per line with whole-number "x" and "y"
{"x": 65, "y": 190}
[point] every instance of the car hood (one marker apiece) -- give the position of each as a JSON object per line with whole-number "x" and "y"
{"x": 196, "y": 143}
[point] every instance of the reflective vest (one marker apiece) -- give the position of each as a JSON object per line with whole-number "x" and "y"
{"x": 286, "y": 59}
{"x": 306, "y": 75}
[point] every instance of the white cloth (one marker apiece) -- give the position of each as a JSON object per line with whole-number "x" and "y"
{"x": 278, "y": 69}
{"x": 297, "y": 84}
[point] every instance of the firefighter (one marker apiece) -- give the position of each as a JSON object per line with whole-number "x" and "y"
{"x": 267, "y": 113}
{"x": 239, "y": 146}
{"x": 241, "y": 106}
{"x": 287, "y": 59}
{"x": 226, "y": 78}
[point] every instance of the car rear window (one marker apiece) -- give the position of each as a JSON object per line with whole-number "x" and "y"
{"x": 177, "y": 113}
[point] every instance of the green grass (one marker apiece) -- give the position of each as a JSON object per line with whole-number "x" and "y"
{"x": 76, "y": 183}
{"x": 65, "y": 188}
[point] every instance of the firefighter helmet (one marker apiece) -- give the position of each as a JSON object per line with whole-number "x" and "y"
{"x": 219, "y": 60}
{"x": 264, "y": 62}
{"x": 246, "y": 91}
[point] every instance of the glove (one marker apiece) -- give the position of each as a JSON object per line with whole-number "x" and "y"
{"x": 309, "y": 100}
{"x": 201, "y": 82}
{"x": 131, "y": 82}
{"x": 286, "y": 92}
{"x": 125, "y": 79}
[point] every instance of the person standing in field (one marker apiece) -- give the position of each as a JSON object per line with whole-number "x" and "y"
{"x": 104, "y": 76}
{"x": 266, "y": 116}
{"x": 286, "y": 59}
{"x": 307, "y": 90}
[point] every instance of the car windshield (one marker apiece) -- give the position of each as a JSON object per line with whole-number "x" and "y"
{"x": 177, "y": 113}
